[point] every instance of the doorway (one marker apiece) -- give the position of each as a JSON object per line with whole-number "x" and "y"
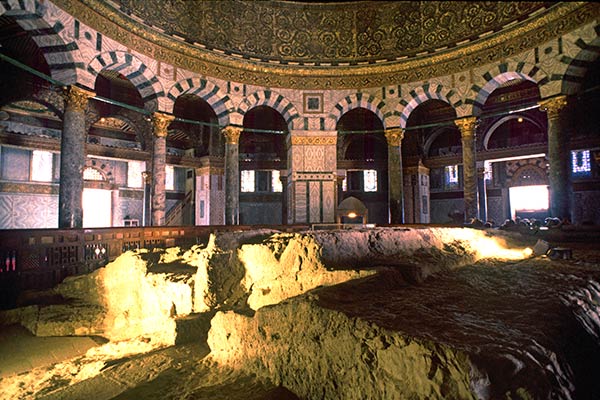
{"x": 529, "y": 201}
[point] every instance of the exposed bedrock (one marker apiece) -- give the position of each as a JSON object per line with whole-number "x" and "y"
{"x": 323, "y": 354}
{"x": 146, "y": 293}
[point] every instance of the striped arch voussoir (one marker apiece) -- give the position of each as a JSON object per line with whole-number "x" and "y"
{"x": 63, "y": 59}
{"x": 503, "y": 73}
{"x": 425, "y": 93}
{"x": 359, "y": 100}
{"x": 273, "y": 100}
{"x": 206, "y": 90}
{"x": 134, "y": 70}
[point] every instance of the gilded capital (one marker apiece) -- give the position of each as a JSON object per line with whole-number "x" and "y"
{"x": 77, "y": 98}
{"x": 232, "y": 134}
{"x": 394, "y": 136}
{"x": 160, "y": 123}
{"x": 466, "y": 126}
{"x": 553, "y": 106}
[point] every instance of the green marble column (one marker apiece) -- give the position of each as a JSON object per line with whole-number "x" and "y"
{"x": 72, "y": 158}
{"x": 467, "y": 134}
{"x": 395, "y": 179}
{"x": 160, "y": 123}
{"x": 558, "y": 157}
{"x": 232, "y": 175}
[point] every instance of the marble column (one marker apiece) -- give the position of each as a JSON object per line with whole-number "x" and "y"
{"x": 160, "y": 123}
{"x": 558, "y": 177}
{"x": 232, "y": 175}
{"x": 467, "y": 133}
{"x": 72, "y": 158}
{"x": 394, "y": 138}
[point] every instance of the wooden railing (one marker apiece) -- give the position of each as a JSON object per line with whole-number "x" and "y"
{"x": 37, "y": 259}
{"x": 175, "y": 214}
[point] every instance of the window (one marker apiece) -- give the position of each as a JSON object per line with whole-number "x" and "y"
{"x": 451, "y": 174}
{"x": 41, "y": 166}
{"x": 276, "y": 184}
{"x": 169, "y": 177}
{"x": 134, "y": 173}
{"x": 345, "y": 184}
{"x": 370, "y": 180}
{"x": 247, "y": 181}
{"x": 581, "y": 162}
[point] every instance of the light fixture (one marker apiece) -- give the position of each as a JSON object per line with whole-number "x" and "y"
{"x": 352, "y": 214}
{"x": 520, "y": 119}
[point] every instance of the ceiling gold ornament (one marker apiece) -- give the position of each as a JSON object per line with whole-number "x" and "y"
{"x": 394, "y": 136}
{"x": 314, "y": 140}
{"x": 553, "y": 106}
{"x": 495, "y": 46}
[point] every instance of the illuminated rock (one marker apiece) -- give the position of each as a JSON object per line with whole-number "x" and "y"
{"x": 323, "y": 354}
{"x": 131, "y": 299}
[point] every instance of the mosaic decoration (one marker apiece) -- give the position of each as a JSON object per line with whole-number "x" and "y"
{"x": 313, "y": 103}
{"x": 328, "y": 33}
{"x": 439, "y": 52}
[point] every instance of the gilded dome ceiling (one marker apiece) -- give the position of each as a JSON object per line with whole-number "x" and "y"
{"x": 327, "y": 33}
{"x": 329, "y": 44}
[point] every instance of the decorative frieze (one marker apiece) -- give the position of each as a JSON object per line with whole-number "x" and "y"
{"x": 314, "y": 140}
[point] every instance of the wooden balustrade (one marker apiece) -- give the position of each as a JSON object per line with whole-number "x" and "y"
{"x": 37, "y": 259}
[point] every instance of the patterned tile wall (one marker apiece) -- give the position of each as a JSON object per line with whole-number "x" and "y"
{"x": 26, "y": 211}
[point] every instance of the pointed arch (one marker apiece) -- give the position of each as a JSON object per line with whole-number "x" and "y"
{"x": 64, "y": 59}
{"x": 145, "y": 82}
{"x": 425, "y": 93}
{"x": 360, "y": 100}
{"x": 207, "y": 91}
{"x": 273, "y": 100}
{"x": 501, "y": 74}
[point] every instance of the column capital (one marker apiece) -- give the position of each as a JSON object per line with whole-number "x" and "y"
{"x": 160, "y": 122}
{"x": 76, "y": 97}
{"x": 232, "y": 134}
{"x": 553, "y": 105}
{"x": 394, "y": 136}
{"x": 466, "y": 126}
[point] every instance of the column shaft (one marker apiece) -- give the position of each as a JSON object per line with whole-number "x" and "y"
{"x": 467, "y": 133}
{"x": 558, "y": 177}
{"x": 72, "y": 158}
{"x": 395, "y": 177}
{"x": 232, "y": 175}
{"x": 160, "y": 122}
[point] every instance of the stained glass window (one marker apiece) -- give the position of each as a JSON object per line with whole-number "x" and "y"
{"x": 134, "y": 173}
{"x": 41, "y": 166}
{"x": 247, "y": 181}
{"x": 345, "y": 184}
{"x": 451, "y": 174}
{"x": 276, "y": 184}
{"x": 581, "y": 162}
{"x": 370, "y": 179}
